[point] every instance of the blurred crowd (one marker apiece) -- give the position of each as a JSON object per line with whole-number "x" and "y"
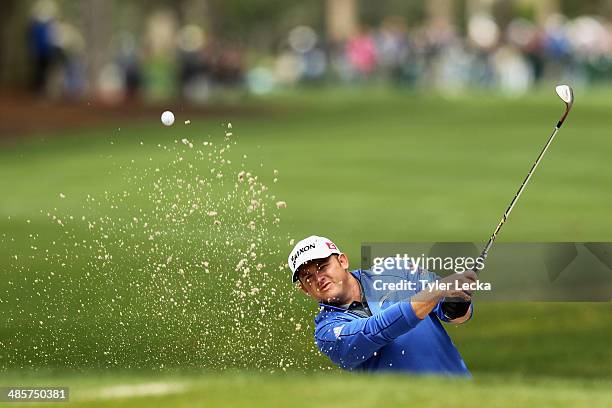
{"x": 166, "y": 61}
{"x": 438, "y": 56}
{"x": 169, "y": 61}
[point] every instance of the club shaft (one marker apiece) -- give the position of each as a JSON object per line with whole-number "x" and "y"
{"x": 485, "y": 251}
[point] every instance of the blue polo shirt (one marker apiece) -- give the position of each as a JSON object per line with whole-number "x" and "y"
{"x": 393, "y": 338}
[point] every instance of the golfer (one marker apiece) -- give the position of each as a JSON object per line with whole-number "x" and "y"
{"x": 361, "y": 327}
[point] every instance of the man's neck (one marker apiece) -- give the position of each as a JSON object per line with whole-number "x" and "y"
{"x": 355, "y": 290}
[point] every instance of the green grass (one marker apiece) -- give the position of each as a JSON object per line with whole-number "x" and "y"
{"x": 356, "y": 166}
{"x": 322, "y": 390}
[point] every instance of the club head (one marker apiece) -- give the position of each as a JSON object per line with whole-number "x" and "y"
{"x": 566, "y": 94}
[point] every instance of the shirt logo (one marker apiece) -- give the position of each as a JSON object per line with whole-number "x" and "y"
{"x": 337, "y": 331}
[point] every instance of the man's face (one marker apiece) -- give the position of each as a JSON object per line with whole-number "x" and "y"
{"x": 327, "y": 279}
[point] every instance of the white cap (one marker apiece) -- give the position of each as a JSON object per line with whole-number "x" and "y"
{"x": 313, "y": 247}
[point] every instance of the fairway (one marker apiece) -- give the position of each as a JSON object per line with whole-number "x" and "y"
{"x": 257, "y": 390}
{"x": 360, "y": 165}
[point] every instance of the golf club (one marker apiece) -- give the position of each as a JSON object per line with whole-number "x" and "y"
{"x": 566, "y": 94}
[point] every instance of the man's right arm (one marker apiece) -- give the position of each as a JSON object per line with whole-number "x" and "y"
{"x": 349, "y": 343}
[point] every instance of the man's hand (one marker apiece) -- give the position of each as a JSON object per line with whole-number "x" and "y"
{"x": 425, "y": 301}
{"x": 456, "y": 305}
{"x": 457, "y": 280}
{"x": 457, "y": 312}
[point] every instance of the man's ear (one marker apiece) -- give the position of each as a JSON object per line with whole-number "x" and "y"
{"x": 344, "y": 262}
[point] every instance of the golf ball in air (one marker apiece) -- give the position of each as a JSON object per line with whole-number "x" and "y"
{"x": 167, "y": 118}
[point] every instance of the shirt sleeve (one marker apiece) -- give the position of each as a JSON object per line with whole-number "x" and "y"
{"x": 348, "y": 343}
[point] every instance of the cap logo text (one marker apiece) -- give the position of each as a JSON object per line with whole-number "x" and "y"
{"x": 300, "y": 251}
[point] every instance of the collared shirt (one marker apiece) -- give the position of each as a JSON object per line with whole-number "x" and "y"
{"x": 392, "y": 338}
{"x": 361, "y": 308}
